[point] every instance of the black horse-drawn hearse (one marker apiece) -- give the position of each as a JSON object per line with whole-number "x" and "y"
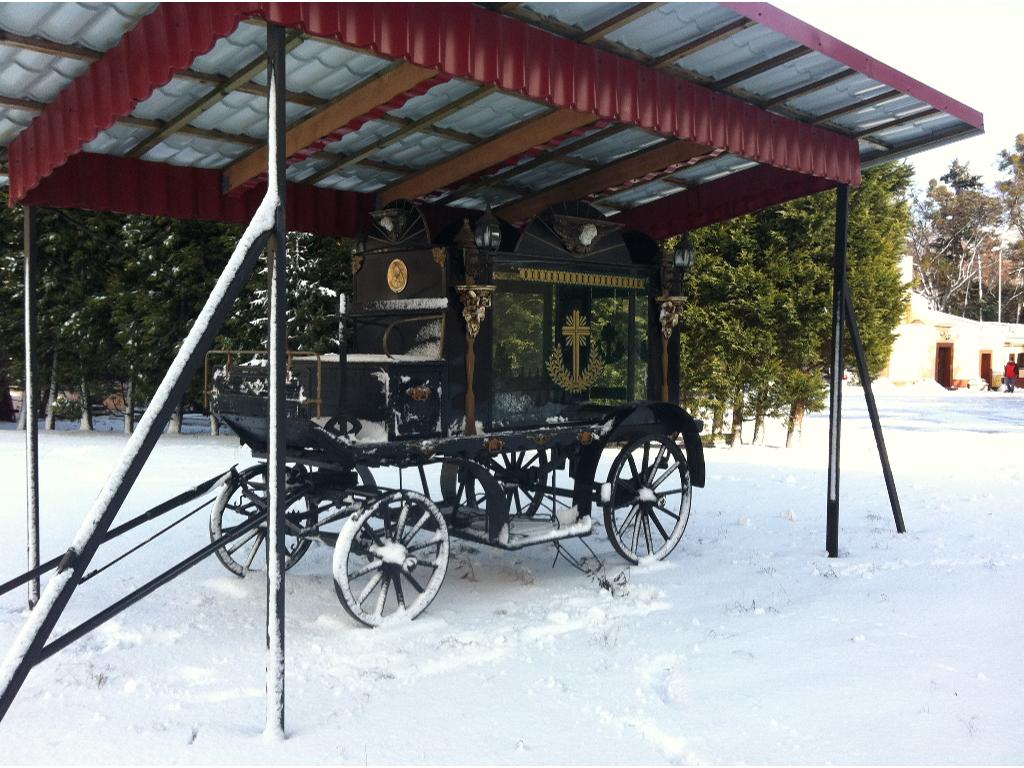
{"x": 490, "y": 379}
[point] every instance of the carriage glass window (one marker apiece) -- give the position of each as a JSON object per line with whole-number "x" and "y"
{"x": 558, "y": 343}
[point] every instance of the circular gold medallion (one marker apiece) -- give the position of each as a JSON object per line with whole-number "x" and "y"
{"x": 398, "y": 275}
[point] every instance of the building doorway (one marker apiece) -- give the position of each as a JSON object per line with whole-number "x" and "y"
{"x": 944, "y": 365}
{"x": 986, "y": 368}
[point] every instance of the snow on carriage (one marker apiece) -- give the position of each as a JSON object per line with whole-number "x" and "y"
{"x": 494, "y": 378}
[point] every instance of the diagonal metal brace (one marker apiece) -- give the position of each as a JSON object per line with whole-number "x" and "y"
{"x": 27, "y": 649}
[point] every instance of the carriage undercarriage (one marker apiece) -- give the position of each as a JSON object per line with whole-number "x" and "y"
{"x": 505, "y": 490}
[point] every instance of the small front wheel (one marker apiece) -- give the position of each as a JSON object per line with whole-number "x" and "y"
{"x": 390, "y": 558}
{"x": 648, "y": 495}
{"x": 244, "y": 497}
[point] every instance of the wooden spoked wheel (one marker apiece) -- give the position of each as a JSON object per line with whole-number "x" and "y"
{"x": 648, "y": 503}
{"x": 244, "y": 497}
{"x": 522, "y": 476}
{"x": 390, "y": 558}
{"x": 470, "y": 493}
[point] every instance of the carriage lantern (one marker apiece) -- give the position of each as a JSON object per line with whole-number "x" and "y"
{"x": 487, "y": 232}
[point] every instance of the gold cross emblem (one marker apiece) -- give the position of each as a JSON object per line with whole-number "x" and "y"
{"x": 576, "y": 332}
{"x": 577, "y": 335}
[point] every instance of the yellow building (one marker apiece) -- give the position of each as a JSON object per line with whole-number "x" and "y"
{"x": 952, "y": 350}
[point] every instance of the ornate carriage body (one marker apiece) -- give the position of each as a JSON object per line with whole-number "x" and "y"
{"x": 499, "y": 375}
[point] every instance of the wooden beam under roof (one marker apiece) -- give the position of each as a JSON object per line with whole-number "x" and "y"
{"x": 194, "y": 110}
{"x": 354, "y": 103}
{"x": 558, "y": 154}
{"x": 634, "y": 166}
{"x": 617, "y": 21}
{"x": 894, "y": 123}
{"x": 857, "y": 105}
{"x": 344, "y": 161}
{"x": 702, "y": 42}
{"x": 761, "y": 67}
{"x": 807, "y": 88}
{"x": 27, "y": 105}
{"x": 512, "y": 142}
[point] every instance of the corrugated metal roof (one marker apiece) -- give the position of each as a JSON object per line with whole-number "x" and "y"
{"x": 13, "y": 122}
{"x": 641, "y": 193}
{"x": 780, "y": 80}
{"x": 244, "y": 113}
{"x": 358, "y": 178}
{"x": 325, "y": 70}
{"x": 36, "y": 76}
{"x": 320, "y": 71}
{"x": 712, "y": 169}
{"x": 670, "y": 26}
{"x": 368, "y": 133}
{"x": 437, "y": 97}
{"x": 492, "y": 115}
{"x": 418, "y": 150}
{"x": 547, "y": 174}
{"x": 583, "y": 16}
{"x": 181, "y": 149}
{"x": 95, "y": 25}
{"x": 617, "y": 145}
{"x": 735, "y": 53}
{"x": 164, "y": 103}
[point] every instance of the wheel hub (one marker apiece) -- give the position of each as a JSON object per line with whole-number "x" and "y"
{"x": 391, "y": 552}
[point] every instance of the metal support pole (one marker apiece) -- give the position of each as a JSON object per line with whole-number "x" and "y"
{"x": 278, "y": 269}
{"x": 869, "y": 397}
{"x": 25, "y": 652}
{"x": 28, "y": 401}
{"x": 836, "y": 373}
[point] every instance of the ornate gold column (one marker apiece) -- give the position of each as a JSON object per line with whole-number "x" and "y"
{"x": 671, "y": 309}
{"x": 476, "y": 300}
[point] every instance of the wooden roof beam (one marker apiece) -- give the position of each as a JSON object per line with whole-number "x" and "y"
{"x": 513, "y": 142}
{"x": 926, "y": 112}
{"x": 344, "y": 161}
{"x": 658, "y": 159}
{"x": 559, "y": 154}
{"x": 803, "y": 90}
{"x": 702, "y": 42}
{"x": 140, "y": 122}
{"x": 617, "y": 21}
{"x": 776, "y": 61}
{"x": 343, "y": 110}
{"x": 194, "y": 110}
{"x": 858, "y": 105}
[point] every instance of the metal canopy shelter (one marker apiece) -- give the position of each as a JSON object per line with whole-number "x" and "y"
{"x": 665, "y": 116}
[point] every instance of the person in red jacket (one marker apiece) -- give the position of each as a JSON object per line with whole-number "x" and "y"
{"x": 1010, "y": 374}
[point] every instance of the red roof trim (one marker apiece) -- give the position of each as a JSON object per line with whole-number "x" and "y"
{"x": 720, "y": 200}
{"x": 93, "y": 182}
{"x": 457, "y": 39}
{"x": 466, "y": 41}
{"x": 147, "y": 57}
{"x": 816, "y": 40}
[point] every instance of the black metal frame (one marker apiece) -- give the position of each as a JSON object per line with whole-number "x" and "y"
{"x": 843, "y": 315}
{"x": 28, "y": 400}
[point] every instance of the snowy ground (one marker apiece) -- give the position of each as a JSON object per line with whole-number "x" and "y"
{"x": 748, "y": 645}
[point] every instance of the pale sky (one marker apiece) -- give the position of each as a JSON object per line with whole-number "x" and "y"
{"x": 972, "y": 51}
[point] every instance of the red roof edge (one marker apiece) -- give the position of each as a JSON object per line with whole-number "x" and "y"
{"x": 457, "y": 39}
{"x": 816, "y": 40}
{"x": 93, "y": 182}
{"x": 735, "y": 195}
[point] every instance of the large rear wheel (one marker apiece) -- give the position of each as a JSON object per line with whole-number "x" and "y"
{"x": 648, "y": 495}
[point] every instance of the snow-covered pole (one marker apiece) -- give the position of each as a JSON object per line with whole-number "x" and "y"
{"x": 278, "y": 342}
{"x": 835, "y": 403}
{"x": 28, "y": 401}
{"x": 25, "y": 652}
